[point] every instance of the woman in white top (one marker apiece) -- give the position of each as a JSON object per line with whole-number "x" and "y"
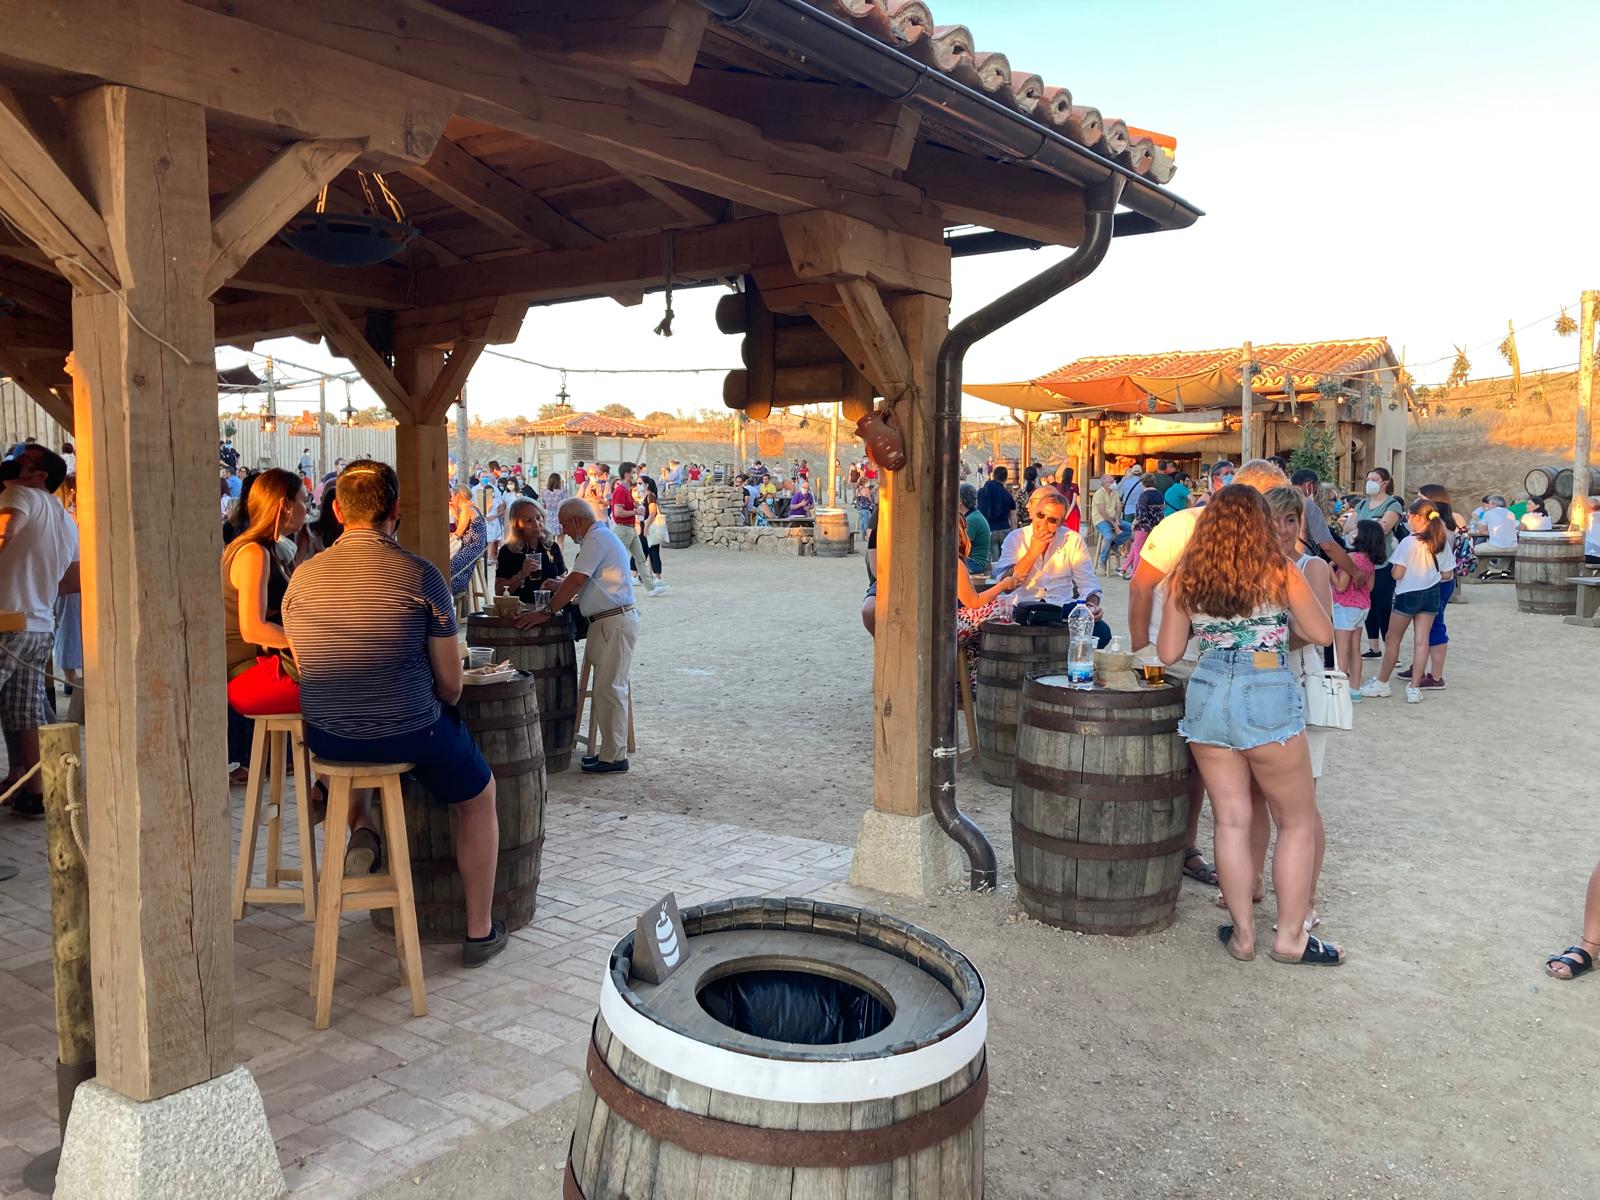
{"x": 1416, "y": 598}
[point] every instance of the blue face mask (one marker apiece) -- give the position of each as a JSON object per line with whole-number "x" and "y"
{"x": 1226, "y": 480}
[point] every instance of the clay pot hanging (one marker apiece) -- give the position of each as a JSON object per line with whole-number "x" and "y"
{"x": 886, "y": 445}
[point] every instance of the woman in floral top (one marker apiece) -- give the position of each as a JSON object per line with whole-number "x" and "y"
{"x": 1236, "y": 590}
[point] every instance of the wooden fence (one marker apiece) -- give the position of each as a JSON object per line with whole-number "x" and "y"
{"x": 21, "y": 418}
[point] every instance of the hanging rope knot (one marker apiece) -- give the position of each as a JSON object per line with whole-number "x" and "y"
{"x": 75, "y": 811}
{"x": 664, "y": 327}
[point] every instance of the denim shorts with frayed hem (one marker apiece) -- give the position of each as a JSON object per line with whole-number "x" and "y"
{"x": 1232, "y": 702}
{"x": 1409, "y": 604}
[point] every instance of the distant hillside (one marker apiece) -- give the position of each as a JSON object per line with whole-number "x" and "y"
{"x": 1475, "y": 440}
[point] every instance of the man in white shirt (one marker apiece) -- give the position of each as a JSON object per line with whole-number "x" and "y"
{"x": 38, "y": 562}
{"x": 1591, "y": 532}
{"x": 603, "y": 585}
{"x": 1499, "y": 523}
{"x": 1052, "y": 561}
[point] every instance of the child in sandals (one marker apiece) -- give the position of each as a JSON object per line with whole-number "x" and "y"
{"x": 1579, "y": 960}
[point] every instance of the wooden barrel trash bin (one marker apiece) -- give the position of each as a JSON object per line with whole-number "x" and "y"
{"x": 801, "y": 1048}
{"x": 504, "y": 721}
{"x": 680, "y": 525}
{"x": 1546, "y": 563}
{"x": 832, "y": 532}
{"x": 1007, "y": 655}
{"x": 549, "y": 654}
{"x": 1099, "y": 807}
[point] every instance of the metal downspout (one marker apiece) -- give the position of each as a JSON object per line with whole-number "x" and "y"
{"x": 1020, "y": 300}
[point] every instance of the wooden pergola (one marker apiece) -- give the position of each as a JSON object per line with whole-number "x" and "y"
{"x": 547, "y": 150}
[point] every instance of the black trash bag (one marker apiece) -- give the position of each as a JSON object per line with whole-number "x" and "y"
{"x": 795, "y": 1006}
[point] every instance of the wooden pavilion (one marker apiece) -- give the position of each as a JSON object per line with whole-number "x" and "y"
{"x": 543, "y": 150}
{"x": 561, "y": 440}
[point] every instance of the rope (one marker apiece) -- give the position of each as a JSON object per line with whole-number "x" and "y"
{"x": 17, "y": 786}
{"x": 75, "y": 812}
{"x": 9, "y": 653}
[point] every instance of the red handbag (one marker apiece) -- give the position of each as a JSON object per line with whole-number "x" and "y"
{"x": 264, "y": 688}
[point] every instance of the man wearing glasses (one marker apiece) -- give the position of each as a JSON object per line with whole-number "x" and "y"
{"x": 1052, "y": 561}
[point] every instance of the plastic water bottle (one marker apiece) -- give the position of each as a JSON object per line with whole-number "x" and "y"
{"x": 1080, "y": 647}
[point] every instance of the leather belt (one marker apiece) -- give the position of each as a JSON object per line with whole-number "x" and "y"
{"x": 610, "y": 612}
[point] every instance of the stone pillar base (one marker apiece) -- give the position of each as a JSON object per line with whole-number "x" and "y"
{"x": 909, "y": 856}
{"x": 206, "y": 1141}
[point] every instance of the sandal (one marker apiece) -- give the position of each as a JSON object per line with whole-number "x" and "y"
{"x": 1317, "y": 953}
{"x": 1575, "y": 966}
{"x": 1205, "y": 872}
{"x": 1225, "y": 936}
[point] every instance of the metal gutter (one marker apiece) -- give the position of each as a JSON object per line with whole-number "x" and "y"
{"x": 1012, "y": 135}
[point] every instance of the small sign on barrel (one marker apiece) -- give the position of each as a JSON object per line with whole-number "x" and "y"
{"x": 659, "y": 942}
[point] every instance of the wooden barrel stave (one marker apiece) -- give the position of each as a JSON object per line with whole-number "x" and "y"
{"x": 504, "y": 721}
{"x": 612, "y": 1155}
{"x": 831, "y": 533}
{"x": 680, "y": 525}
{"x": 1099, "y": 816}
{"x": 548, "y": 653}
{"x": 1545, "y": 561}
{"x": 1007, "y": 654}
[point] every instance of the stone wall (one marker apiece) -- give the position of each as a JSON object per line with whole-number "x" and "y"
{"x": 719, "y": 523}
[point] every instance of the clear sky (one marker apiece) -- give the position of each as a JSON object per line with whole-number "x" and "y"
{"x": 1420, "y": 169}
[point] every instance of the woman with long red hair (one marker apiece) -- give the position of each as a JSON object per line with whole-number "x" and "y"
{"x": 1236, "y": 590}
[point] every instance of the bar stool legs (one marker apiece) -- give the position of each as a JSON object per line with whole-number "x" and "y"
{"x": 390, "y": 889}
{"x": 586, "y": 695}
{"x": 278, "y": 740}
{"x": 966, "y": 707}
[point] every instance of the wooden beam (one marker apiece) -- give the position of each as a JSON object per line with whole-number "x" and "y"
{"x": 278, "y": 269}
{"x": 45, "y": 297}
{"x": 33, "y": 379}
{"x": 476, "y": 189}
{"x": 145, "y": 402}
{"x": 833, "y": 246}
{"x": 36, "y": 333}
{"x": 710, "y": 253}
{"x": 594, "y": 112}
{"x": 644, "y": 39}
{"x": 442, "y": 326}
{"x": 254, "y": 214}
{"x": 422, "y": 460}
{"x": 852, "y": 121}
{"x": 267, "y": 80}
{"x": 39, "y": 199}
{"x": 348, "y": 342}
{"x": 888, "y": 362}
{"x": 447, "y": 384}
{"x": 251, "y": 321}
{"x": 1012, "y": 199}
{"x": 696, "y": 208}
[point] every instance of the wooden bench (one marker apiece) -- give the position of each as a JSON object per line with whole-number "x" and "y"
{"x": 1588, "y": 613}
{"x": 1498, "y": 561}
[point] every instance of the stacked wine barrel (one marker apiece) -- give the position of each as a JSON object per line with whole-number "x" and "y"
{"x": 503, "y": 719}
{"x": 1552, "y": 483}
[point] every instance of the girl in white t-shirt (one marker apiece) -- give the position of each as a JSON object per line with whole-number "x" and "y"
{"x": 1416, "y": 598}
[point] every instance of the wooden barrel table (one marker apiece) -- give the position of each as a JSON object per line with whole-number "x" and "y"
{"x": 801, "y": 1049}
{"x": 549, "y": 654}
{"x": 1100, "y": 806}
{"x": 1545, "y": 562}
{"x": 1007, "y": 655}
{"x": 504, "y": 720}
{"x": 680, "y": 525}
{"x": 832, "y": 533}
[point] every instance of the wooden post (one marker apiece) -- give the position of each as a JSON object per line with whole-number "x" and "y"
{"x": 69, "y": 900}
{"x": 901, "y": 678}
{"x": 463, "y": 436}
{"x": 1246, "y": 396}
{"x": 322, "y": 436}
{"x": 833, "y": 455}
{"x": 1085, "y": 458}
{"x": 145, "y": 404}
{"x": 422, "y": 458}
{"x": 1581, "y": 444}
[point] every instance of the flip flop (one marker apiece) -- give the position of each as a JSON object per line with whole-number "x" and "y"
{"x": 1205, "y": 872}
{"x": 1580, "y": 966}
{"x": 1317, "y": 953}
{"x": 1225, "y": 936}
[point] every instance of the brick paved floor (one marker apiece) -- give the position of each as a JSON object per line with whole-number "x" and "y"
{"x": 382, "y": 1091}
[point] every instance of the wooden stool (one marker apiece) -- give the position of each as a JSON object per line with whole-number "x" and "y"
{"x": 586, "y": 695}
{"x": 479, "y": 591}
{"x": 278, "y": 737}
{"x": 966, "y": 707}
{"x": 391, "y": 889}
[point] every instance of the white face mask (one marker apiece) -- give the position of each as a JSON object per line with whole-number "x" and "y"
{"x": 1373, "y": 487}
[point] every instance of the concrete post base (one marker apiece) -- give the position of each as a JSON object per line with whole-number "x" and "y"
{"x": 909, "y": 856}
{"x": 206, "y": 1141}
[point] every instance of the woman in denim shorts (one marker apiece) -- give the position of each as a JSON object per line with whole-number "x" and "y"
{"x": 1237, "y": 591}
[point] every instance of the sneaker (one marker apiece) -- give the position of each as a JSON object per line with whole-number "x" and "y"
{"x": 660, "y": 589}
{"x": 1413, "y": 695}
{"x": 1356, "y": 697}
{"x": 1428, "y": 681}
{"x": 363, "y": 854}
{"x": 588, "y": 760}
{"x": 1375, "y": 688}
{"x": 27, "y": 804}
{"x": 1372, "y": 654}
{"x": 603, "y": 768}
{"x": 1406, "y": 674}
{"x": 477, "y": 951}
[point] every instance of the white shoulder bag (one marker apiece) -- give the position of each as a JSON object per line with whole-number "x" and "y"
{"x": 1328, "y": 698}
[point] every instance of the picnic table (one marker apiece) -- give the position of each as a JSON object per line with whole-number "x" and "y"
{"x": 1497, "y": 562}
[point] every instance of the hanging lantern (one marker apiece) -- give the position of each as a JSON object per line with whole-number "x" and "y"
{"x": 352, "y": 239}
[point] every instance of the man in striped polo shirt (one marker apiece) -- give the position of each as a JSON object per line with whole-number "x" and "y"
{"x": 373, "y": 629}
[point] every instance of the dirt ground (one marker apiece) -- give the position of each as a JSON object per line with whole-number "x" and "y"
{"x": 1440, "y": 1062}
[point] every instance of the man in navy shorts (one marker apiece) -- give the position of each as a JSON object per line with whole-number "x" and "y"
{"x": 373, "y": 629}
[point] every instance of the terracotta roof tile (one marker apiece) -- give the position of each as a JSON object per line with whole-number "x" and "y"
{"x": 1309, "y": 362}
{"x": 590, "y": 424}
{"x": 908, "y": 26}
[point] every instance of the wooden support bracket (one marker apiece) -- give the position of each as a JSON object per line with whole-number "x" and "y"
{"x": 349, "y": 342}
{"x": 447, "y": 384}
{"x": 54, "y": 396}
{"x": 254, "y": 214}
{"x": 647, "y": 39}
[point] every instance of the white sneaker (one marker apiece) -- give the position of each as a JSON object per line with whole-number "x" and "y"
{"x": 659, "y": 589}
{"x": 1375, "y": 688}
{"x": 1413, "y": 694}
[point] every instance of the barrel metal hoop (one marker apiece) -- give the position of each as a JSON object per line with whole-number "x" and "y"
{"x": 1060, "y": 722}
{"x": 1100, "y": 698}
{"x": 518, "y": 766}
{"x": 1082, "y": 786}
{"x": 447, "y": 866}
{"x": 522, "y": 720}
{"x": 700, "y": 1135}
{"x": 1104, "y": 904}
{"x": 1096, "y": 850}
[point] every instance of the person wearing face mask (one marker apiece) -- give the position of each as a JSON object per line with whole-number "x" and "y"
{"x": 1381, "y": 505}
{"x": 1316, "y": 536}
